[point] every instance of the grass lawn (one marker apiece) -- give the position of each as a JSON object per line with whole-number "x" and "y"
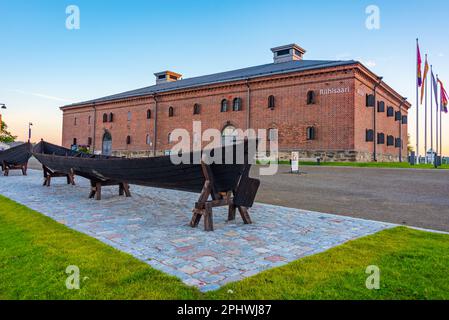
{"x": 35, "y": 251}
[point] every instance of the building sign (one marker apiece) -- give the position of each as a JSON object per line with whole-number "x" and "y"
{"x": 295, "y": 161}
{"x": 334, "y": 91}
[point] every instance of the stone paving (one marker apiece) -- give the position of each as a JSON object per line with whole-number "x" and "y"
{"x": 153, "y": 227}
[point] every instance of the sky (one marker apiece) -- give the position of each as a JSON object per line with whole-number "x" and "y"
{"x": 120, "y": 44}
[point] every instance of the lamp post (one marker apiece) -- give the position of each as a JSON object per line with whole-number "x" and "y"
{"x": 2, "y": 106}
{"x": 29, "y": 131}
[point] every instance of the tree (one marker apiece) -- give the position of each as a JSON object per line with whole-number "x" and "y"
{"x": 409, "y": 146}
{"x": 5, "y": 135}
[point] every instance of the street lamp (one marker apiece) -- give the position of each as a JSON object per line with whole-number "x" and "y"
{"x": 29, "y": 131}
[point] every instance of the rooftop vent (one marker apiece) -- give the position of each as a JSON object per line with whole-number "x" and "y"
{"x": 167, "y": 76}
{"x": 287, "y": 53}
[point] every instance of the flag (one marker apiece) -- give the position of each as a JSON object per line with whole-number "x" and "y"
{"x": 426, "y": 70}
{"x": 419, "y": 62}
{"x": 435, "y": 88}
{"x": 444, "y": 97}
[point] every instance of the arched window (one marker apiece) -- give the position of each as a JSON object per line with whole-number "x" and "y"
{"x": 196, "y": 109}
{"x": 271, "y": 102}
{"x": 89, "y": 141}
{"x": 148, "y": 139}
{"x": 224, "y": 105}
{"x": 105, "y": 117}
{"x": 75, "y": 121}
{"x": 171, "y": 112}
{"x": 237, "y": 104}
{"x": 369, "y": 136}
{"x": 311, "y": 133}
{"x": 272, "y": 134}
{"x": 111, "y": 117}
{"x": 148, "y": 114}
{"x": 380, "y": 138}
{"x": 311, "y": 99}
{"x": 128, "y": 140}
{"x": 74, "y": 141}
{"x": 88, "y": 120}
{"x": 129, "y": 115}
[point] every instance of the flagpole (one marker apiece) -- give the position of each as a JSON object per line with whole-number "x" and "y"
{"x": 431, "y": 110}
{"x": 425, "y": 113}
{"x": 417, "y": 104}
{"x": 436, "y": 131}
{"x": 441, "y": 133}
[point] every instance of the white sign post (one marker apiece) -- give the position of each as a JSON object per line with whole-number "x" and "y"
{"x": 295, "y": 162}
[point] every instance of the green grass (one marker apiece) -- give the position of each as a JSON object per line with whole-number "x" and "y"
{"x": 401, "y": 165}
{"x": 35, "y": 251}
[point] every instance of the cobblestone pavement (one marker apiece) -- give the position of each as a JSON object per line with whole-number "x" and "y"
{"x": 153, "y": 227}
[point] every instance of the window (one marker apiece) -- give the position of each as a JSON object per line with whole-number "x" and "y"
{"x": 148, "y": 139}
{"x": 105, "y": 117}
{"x": 129, "y": 115}
{"x": 404, "y": 120}
{"x": 271, "y": 102}
{"x": 74, "y": 142}
{"x": 170, "y": 112}
{"x": 161, "y": 77}
{"x": 398, "y": 142}
{"x": 89, "y": 141}
{"x": 283, "y": 52}
{"x": 148, "y": 114}
{"x": 272, "y": 134}
{"x": 369, "y": 135}
{"x": 390, "y": 112}
{"x": 390, "y": 140}
{"x": 311, "y": 134}
{"x": 128, "y": 140}
{"x": 237, "y": 104}
{"x": 229, "y": 135}
{"x": 311, "y": 97}
{"x": 380, "y": 106}
{"x": 380, "y": 138}
{"x": 397, "y": 116}
{"x": 224, "y": 105}
{"x": 74, "y": 121}
{"x": 111, "y": 117}
{"x": 88, "y": 120}
{"x": 370, "y": 100}
{"x": 196, "y": 109}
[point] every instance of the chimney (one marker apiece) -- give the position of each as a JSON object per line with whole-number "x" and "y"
{"x": 287, "y": 53}
{"x": 167, "y": 76}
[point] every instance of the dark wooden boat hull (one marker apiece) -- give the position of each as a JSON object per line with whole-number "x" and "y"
{"x": 17, "y": 155}
{"x": 157, "y": 172}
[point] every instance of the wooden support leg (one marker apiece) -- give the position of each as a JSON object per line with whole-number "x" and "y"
{"x": 48, "y": 180}
{"x": 208, "y": 218}
{"x": 24, "y": 169}
{"x": 126, "y": 189}
{"x": 231, "y": 212}
{"x": 98, "y": 191}
{"x": 121, "y": 189}
{"x": 245, "y": 216}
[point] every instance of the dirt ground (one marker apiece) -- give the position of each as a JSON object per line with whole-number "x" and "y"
{"x": 412, "y": 197}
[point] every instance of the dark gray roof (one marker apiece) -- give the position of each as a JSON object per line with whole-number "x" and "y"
{"x": 235, "y": 75}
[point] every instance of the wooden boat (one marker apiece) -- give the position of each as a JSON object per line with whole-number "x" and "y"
{"x": 226, "y": 184}
{"x": 15, "y": 158}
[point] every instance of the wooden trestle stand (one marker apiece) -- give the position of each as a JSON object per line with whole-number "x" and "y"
{"x": 96, "y": 185}
{"x": 7, "y": 167}
{"x": 241, "y": 198}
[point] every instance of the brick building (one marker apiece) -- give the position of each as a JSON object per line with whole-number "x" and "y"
{"x": 336, "y": 110}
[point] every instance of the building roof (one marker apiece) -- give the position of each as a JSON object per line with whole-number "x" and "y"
{"x": 234, "y": 75}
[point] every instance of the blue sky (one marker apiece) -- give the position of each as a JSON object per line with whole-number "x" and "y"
{"x": 121, "y": 44}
